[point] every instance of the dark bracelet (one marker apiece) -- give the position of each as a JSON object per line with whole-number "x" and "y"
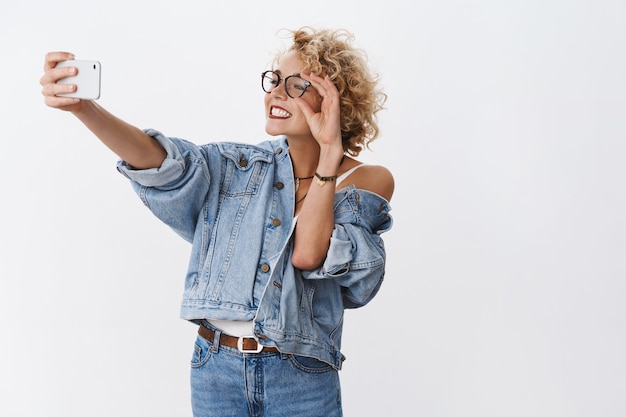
{"x": 321, "y": 181}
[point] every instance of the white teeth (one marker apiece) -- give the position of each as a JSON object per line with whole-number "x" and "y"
{"x": 279, "y": 112}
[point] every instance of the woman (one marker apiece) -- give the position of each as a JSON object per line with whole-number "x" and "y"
{"x": 285, "y": 234}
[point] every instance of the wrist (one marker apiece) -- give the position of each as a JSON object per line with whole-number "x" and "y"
{"x": 328, "y": 166}
{"x": 322, "y": 180}
{"x": 85, "y": 108}
{"x": 335, "y": 150}
{"x": 330, "y": 159}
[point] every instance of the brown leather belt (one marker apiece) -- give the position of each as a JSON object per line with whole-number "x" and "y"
{"x": 243, "y": 344}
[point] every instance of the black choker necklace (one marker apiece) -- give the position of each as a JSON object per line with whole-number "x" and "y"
{"x": 297, "y": 180}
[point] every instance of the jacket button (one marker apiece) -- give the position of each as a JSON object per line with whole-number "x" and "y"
{"x": 278, "y": 150}
{"x": 280, "y": 185}
{"x": 276, "y": 222}
{"x": 265, "y": 268}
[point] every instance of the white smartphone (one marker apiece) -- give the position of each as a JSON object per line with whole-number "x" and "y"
{"x": 87, "y": 79}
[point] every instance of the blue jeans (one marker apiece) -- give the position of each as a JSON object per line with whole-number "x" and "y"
{"x": 225, "y": 382}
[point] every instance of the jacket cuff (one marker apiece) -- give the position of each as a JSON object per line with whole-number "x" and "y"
{"x": 171, "y": 169}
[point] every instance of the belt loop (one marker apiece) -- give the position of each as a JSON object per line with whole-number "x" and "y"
{"x": 215, "y": 347}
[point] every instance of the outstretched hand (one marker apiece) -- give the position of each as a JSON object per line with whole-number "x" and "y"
{"x": 325, "y": 124}
{"x": 50, "y": 87}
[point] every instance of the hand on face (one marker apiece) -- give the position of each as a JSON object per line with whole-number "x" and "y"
{"x": 324, "y": 124}
{"x": 315, "y": 113}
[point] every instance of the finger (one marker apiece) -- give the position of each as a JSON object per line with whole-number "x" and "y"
{"x": 53, "y": 89}
{"x": 52, "y": 58}
{"x": 60, "y": 102}
{"x": 317, "y": 83}
{"x": 304, "y": 107}
{"x": 53, "y": 75}
{"x": 324, "y": 86}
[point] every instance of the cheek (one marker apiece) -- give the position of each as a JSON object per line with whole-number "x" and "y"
{"x": 266, "y": 101}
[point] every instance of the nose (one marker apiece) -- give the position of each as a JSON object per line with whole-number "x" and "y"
{"x": 280, "y": 90}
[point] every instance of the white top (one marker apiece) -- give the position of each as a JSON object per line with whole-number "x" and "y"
{"x": 234, "y": 328}
{"x": 346, "y": 174}
{"x": 245, "y": 328}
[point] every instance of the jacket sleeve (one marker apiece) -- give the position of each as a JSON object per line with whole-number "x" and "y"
{"x": 175, "y": 191}
{"x": 356, "y": 261}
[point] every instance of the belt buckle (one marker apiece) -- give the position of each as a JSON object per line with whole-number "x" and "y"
{"x": 258, "y": 349}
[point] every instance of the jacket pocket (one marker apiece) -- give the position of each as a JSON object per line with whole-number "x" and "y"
{"x": 244, "y": 170}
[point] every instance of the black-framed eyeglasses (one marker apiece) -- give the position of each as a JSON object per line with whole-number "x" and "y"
{"x": 294, "y": 84}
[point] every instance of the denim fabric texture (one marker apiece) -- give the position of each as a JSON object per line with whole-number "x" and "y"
{"x": 234, "y": 202}
{"x": 225, "y": 382}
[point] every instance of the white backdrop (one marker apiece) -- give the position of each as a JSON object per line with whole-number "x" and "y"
{"x": 505, "y": 130}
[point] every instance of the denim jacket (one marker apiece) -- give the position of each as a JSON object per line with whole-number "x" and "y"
{"x": 234, "y": 203}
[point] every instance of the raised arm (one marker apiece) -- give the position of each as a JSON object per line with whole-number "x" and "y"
{"x": 130, "y": 143}
{"x": 316, "y": 219}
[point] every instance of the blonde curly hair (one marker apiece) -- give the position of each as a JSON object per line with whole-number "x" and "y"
{"x": 330, "y": 52}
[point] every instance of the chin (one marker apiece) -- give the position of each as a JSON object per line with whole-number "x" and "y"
{"x": 273, "y": 131}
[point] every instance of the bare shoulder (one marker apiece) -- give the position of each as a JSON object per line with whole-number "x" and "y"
{"x": 375, "y": 178}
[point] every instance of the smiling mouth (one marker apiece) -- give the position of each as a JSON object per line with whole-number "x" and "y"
{"x": 278, "y": 113}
